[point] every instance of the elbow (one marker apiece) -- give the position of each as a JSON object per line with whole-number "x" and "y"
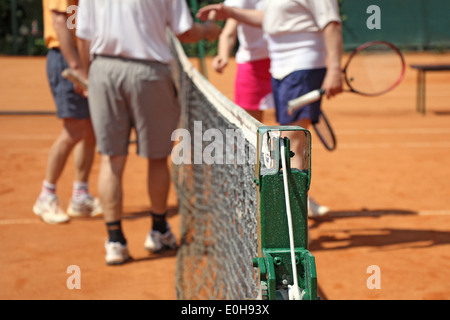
{"x": 187, "y": 37}
{"x": 334, "y": 25}
{"x": 59, "y": 19}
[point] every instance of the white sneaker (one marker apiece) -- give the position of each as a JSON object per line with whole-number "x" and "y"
{"x": 50, "y": 211}
{"x": 156, "y": 241}
{"x": 315, "y": 209}
{"x": 116, "y": 253}
{"x": 90, "y": 207}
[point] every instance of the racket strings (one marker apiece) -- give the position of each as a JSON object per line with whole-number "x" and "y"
{"x": 363, "y": 70}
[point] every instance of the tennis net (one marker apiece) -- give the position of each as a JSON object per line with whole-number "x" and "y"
{"x": 217, "y": 201}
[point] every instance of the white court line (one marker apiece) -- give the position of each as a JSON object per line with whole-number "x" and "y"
{"x": 10, "y": 222}
{"x": 389, "y": 212}
{"x": 434, "y": 213}
{"x": 386, "y": 145}
{"x": 392, "y": 131}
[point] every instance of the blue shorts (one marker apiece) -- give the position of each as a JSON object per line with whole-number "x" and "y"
{"x": 69, "y": 104}
{"x": 293, "y": 86}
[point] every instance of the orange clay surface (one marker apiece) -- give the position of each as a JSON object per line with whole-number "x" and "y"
{"x": 387, "y": 184}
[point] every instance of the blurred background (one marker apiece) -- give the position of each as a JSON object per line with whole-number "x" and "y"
{"x": 416, "y": 25}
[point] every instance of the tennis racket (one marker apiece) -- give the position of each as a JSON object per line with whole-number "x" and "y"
{"x": 361, "y": 73}
{"x": 70, "y": 75}
{"x": 325, "y": 132}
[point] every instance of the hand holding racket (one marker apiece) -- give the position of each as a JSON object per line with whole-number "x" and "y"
{"x": 361, "y": 73}
{"x": 76, "y": 80}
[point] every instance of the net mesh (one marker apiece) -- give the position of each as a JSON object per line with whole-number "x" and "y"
{"x": 217, "y": 202}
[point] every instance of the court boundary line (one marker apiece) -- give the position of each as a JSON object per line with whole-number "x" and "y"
{"x": 25, "y": 221}
{"x": 393, "y": 212}
{"x": 390, "y": 145}
{"x": 394, "y": 131}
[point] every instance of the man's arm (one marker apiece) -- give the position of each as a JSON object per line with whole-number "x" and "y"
{"x": 67, "y": 44}
{"x": 208, "y": 30}
{"x": 333, "y": 40}
{"x": 65, "y": 36}
{"x": 83, "y": 50}
{"x": 252, "y": 17}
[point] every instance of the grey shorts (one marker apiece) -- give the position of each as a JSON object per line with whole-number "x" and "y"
{"x": 126, "y": 94}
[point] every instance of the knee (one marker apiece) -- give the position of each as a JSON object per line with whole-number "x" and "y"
{"x": 76, "y": 130}
{"x": 89, "y": 136}
{"x": 68, "y": 140}
{"x": 113, "y": 164}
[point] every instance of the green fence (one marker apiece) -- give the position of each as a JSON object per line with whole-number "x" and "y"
{"x": 21, "y": 27}
{"x": 410, "y": 24}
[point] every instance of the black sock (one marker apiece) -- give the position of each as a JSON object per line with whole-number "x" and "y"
{"x": 115, "y": 232}
{"x": 159, "y": 222}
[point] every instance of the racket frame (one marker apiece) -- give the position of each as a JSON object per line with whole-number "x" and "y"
{"x": 301, "y": 101}
{"x": 365, "y": 46}
{"x": 323, "y": 119}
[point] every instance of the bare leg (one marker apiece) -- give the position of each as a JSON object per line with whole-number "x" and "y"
{"x": 314, "y": 209}
{"x": 110, "y": 187}
{"x": 84, "y": 154}
{"x": 297, "y": 143}
{"x": 160, "y": 236}
{"x": 71, "y": 134}
{"x": 158, "y": 184}
{"x": 73, "y": 131}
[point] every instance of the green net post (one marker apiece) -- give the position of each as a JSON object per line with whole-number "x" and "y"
{"x": 274, "y": 259}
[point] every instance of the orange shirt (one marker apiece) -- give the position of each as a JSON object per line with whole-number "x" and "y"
{"x": 51, "y": 39}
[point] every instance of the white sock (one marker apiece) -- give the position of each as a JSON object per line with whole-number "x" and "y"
{"x": 48, "y": 189}
{"x": 80, "y": 192}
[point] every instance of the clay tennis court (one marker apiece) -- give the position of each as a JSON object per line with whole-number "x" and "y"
{"x": 388, "y": 185}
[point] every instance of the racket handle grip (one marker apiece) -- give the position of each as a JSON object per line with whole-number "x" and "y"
{"x": 305, "y": 99}
{"x": 69, "y": 75}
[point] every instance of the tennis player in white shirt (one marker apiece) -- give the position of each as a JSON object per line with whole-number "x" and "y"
{"x": 125, "y": 48}
{"x": 253, "y": 82}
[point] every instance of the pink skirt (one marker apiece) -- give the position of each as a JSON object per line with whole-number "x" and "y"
{"x": 253, "y": 85}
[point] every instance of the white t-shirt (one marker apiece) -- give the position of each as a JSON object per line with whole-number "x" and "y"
{"x": 294, "y": 33}
{"x": 134, "y": 29}
{"x": 252, "y": 44}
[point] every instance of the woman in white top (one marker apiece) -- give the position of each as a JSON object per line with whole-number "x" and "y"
{"x": 252, "y": 88}
{"x": 305, "y": 47}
